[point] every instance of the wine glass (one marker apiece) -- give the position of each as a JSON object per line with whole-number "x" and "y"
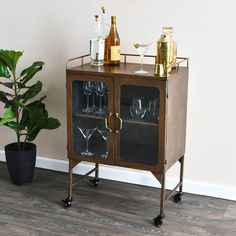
{"x": 100, "y": 91}
{"x": 153, "y": 109}
{"x": 87, "y": 88}
{"x": 137, "y": 108}
{"x": 142, "y": 48}
{"x": 93, "y": 91}
{"x": 105, "y": 107}
{"x": 104, "y": 134}
{"x": 87, "y": 133}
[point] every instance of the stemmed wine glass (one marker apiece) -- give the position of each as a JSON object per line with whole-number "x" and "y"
{"x": 93, "y": 91}
{"x": 142, "y": 48}
{"x": 137, "y": 108}
{"x": 104, "y": 134}
{"x": 87, "y": 133}
{"x": 105, "y": 107}
{"x": 153, "y": 109}
{"x": 87, "y": 88}
{"x": 100, "y": 91}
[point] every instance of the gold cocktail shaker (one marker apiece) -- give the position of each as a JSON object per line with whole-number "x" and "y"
{"x": 166, "y": 51}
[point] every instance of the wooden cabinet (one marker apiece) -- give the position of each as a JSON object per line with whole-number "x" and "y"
{"x": 120, "y": 118}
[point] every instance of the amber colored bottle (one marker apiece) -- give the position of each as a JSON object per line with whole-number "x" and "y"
{"x": 112, "y": 45}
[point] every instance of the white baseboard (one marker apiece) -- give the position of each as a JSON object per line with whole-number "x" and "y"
{"x": 137, "y": 177}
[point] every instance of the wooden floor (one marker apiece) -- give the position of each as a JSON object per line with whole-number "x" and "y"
{"x": 112, "y": 208}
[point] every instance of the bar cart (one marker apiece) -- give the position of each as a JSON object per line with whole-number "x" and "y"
{"x": 116, "y": 117}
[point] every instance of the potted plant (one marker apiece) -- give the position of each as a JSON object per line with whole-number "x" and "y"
{"x": 26, "y": 117}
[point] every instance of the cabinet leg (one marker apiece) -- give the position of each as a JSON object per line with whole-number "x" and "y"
{"x": 97, "y": 170}
{"x": 181, "y": 173}
{"x": 159, "y": 219}
{"x": 67, "y": 201}
{"x": 95, "y": 180}
{"x": 178, "y": 196}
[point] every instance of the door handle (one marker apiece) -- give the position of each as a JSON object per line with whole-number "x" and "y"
{"x": 107, "y": 122}
{"x": 117, "y": 116}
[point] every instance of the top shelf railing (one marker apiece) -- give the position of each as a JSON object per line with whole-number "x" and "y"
{"x": 180, "y": 60}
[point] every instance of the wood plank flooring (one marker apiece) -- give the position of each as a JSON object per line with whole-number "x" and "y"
{"x": 112, "y": 208}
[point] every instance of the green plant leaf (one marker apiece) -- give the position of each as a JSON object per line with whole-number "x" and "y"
{"x": 4, "y": 72}
{"x": 15, "y": 126}
{"x": 32, "y": 91}
{"x": 10, "y": 58}
{"x": 37, "y": 118}
{"x": 51, "y": 123}
{"x": 30, "y": 108}
{"x": 36, "y": 122}
{"x": 33, "y": 134}
{"x": 3, "y": 98}
{"x": 3, "y": 121}
{"x": 9, "y": 113}
{"x": 29, "y": 72}
{"x": 7, "y": 84}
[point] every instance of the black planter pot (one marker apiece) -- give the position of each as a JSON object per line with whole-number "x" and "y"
{"x": 21, "y": 164}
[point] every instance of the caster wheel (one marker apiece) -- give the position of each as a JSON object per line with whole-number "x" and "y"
{"x": 67, "y": 202}
{"x": 94, "y": 181}
{"x": 178, "y": 197}
{"x": 159, "y": 220}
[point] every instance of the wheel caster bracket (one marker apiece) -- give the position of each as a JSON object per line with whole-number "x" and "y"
{"x": 178, "y": 197}
{"x": 67, "y": 202}
{"x": 159, "y": 220}
{"x": 94, "y": 181}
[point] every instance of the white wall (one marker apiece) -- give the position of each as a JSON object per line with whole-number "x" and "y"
{"x": 54, "y": 31}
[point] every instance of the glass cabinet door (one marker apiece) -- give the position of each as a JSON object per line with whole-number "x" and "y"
{"x": 139, "y": 111}
{"x": 90, "y": 107}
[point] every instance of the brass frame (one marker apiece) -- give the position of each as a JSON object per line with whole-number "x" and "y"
{"x": 125, "y": 55}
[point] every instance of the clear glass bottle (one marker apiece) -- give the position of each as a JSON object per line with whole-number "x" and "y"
{"x": 97, "y": 45}
{"x": 113, "y": 45}
{"x": 105, "y": 27}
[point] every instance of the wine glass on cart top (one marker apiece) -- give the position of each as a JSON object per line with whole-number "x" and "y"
{"x": 142, "y": 48}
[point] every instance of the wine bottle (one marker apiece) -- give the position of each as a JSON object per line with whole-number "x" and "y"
{"x": 112, "y": 45}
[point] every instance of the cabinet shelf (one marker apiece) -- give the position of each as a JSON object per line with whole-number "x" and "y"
{"x": 125, "y": 120}
{"x": 140, "y": 122}
{"x": 91, "y": 116}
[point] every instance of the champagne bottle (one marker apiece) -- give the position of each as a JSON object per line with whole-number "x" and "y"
{"x": 112, "y": 45}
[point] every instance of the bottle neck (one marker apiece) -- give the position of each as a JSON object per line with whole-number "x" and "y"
{"x": 113, "y": 22}
{"x": 113, "y": 26}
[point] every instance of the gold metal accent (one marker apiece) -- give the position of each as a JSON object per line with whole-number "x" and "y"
{"x": 121, "y": 122}
{"x": 167, "y": 50}
{"x": 113, "y": 21}
{"x": 106, "y": 122}
{"x": 179, "y": 60}
{"x": 159, "y": 70}
{"x": 77, "y": 58}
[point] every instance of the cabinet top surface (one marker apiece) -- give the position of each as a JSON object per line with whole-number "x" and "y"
{"x": 127, "y": 69}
